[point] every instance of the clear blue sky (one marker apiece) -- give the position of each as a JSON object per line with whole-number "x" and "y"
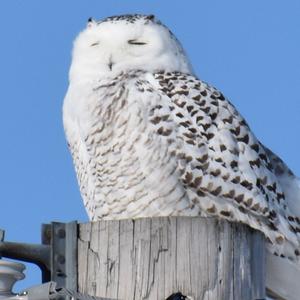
{"x": 250, "y": 50}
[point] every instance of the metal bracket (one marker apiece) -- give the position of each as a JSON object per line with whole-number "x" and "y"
{"x": 34, "y": 253}
{"x": 62, "y": 239}
{"x": 56, "y": 256}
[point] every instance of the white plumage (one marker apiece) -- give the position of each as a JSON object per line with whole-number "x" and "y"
{"x": 150, "y": 139}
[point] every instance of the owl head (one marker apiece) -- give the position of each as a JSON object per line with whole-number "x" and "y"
{"x": 124, "y": 43}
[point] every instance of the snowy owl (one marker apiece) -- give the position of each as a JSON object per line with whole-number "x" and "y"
{"x": 150, "y": 139}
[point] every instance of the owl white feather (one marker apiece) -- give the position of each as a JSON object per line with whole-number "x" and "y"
{"x": 150, "y": 139}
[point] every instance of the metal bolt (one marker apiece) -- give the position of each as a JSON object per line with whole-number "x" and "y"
{"x": 61, "y": 233}
{"x": 60, "y": 273}
{"x": 61, "y": 259}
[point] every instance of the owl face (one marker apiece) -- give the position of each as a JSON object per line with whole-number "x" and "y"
{"x": 126, "y": 43}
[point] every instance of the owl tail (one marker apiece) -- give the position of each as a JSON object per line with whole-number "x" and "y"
{"x": 291, "y": 189}
{"x": 282, "y": 277}
{"x": 289, "y": 183}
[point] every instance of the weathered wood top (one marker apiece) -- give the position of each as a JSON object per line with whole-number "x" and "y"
{"x": 204, "y": 258}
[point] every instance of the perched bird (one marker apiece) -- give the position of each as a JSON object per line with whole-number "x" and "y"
{"x": 150, "y": 139}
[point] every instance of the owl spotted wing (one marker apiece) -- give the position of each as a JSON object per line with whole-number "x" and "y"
{"x": 222, "y": 165}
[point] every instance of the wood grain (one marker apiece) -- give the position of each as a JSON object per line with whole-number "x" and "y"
{"x": 151, "y": 258}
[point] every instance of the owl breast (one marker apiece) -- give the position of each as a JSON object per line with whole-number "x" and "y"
{"x": 120, "y": 160}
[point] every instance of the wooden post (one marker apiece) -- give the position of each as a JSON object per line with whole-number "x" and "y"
{"x": 204, "y": 258}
